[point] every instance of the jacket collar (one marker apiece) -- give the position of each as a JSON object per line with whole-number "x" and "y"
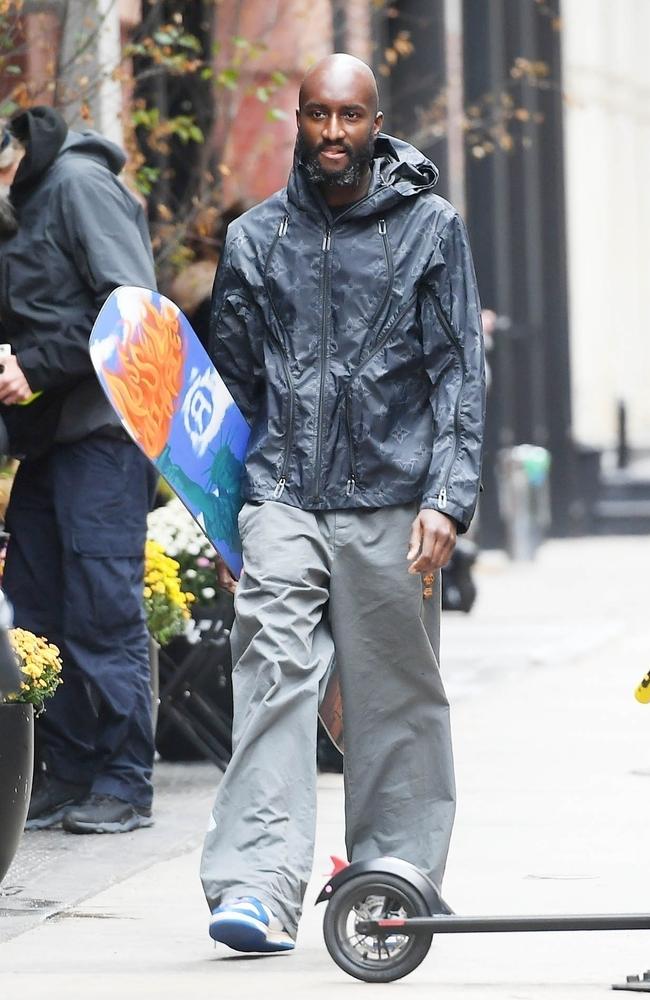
{"x": 399, "y": 171}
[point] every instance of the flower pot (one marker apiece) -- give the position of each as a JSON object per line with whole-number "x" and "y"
{"x": 16, "y": 767}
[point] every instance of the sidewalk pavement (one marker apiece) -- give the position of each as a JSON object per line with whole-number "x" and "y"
{"x": 553, "y": 770}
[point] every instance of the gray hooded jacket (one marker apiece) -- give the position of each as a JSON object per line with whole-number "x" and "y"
{"x": 353, "y": 344}
{"x": 81, "y": 233}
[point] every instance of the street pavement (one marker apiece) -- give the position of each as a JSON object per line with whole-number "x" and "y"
{"x": 553, "y": 773}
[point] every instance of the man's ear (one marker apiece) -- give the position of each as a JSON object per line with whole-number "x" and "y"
{"x": 297, "y": 117}
{"x": 379, "y": 121}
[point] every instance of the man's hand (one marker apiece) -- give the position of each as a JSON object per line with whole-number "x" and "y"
{"x": 225, "y": 578}
{"x": 433, "y": 537}
{"x": 14, "y": 387}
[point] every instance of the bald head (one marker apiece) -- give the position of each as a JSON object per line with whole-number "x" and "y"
{"x": 338, "y": 120}
{"x": 340, "y": 77}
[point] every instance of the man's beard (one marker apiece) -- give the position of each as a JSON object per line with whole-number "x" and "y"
{"x": 349, "y": 176}
{"x": 8, "y": 222}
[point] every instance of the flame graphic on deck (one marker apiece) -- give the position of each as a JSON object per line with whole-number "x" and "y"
{"x": 149, "y": 376}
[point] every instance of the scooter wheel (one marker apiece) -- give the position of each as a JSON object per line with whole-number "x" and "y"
{"x": 375, "y": 958}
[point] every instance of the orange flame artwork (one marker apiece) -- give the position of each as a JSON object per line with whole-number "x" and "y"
{"x": 150, "y": 376}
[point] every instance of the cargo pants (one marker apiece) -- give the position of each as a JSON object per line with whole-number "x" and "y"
{"x": 77, "y": 524}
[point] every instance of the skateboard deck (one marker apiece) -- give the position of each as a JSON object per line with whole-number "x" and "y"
{"x": 174, "y": 405}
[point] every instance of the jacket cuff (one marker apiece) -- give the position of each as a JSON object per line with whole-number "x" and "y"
{"x": 43, "y": 373}
{"x": 30, "y": 363}
{"x": 452, "y": 510}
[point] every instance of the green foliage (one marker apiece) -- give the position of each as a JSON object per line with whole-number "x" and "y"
{"x": 170, "y": 48}
{"x": 145, "y": 178}
{"x": 228, "y": 78}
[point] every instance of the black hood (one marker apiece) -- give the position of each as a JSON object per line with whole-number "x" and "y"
{"x": 42, "y": 131}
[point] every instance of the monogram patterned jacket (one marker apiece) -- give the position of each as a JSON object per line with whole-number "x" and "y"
{"x": 353, "y": 345}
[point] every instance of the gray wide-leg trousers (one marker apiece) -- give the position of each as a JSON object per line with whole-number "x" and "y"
{"x": 314, "y": 583}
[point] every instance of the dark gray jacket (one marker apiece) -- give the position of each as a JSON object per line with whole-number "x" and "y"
{"x": 80, "y": 235}
{"x": 353, "y": 344}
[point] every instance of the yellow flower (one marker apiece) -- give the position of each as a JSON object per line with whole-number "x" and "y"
{"x": 40, "y": 665}
{"x": 166, "y": 604}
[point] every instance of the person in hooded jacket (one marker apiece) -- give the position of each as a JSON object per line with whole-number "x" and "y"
{"x": 70, "y": 232}
{"x": 346, "y": 324}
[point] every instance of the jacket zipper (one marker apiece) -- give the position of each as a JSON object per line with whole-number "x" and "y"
{"x": 282, "y": 478}
{"x": 388, "y": 329}
{"x": 352, "y": 481}
{"x": 451, "y": 336}
{"x": 324, "y": 291}
{"x": 351, "y": 484}
{"x": 381, "y": 227}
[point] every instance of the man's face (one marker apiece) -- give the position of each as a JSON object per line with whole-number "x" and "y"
{"x": 336, "y": 133}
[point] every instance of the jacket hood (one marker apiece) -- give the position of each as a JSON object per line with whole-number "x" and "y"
{"x": 404, "y": 167}
{"x": 399, "y": 170}
{"x": 42, "y": 131}
{"x": 45, "y": 136}
{"x": 94, "y": 145}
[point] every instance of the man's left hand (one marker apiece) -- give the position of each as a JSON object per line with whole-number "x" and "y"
{"x": 432, "y": 542}
{"x": 225, "y": 579}
{"x": 14, "y": 387}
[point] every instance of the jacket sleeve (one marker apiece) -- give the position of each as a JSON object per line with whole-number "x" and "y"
{"x": 455, "y": 361}
{"x": 237, "y": 333}
{"x": 104, "y": 232}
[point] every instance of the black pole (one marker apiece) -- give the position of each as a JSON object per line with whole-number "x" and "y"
{"x": 622, "y": 447}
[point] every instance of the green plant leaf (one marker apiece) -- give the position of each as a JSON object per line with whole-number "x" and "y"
{"x": 228, "y": 78}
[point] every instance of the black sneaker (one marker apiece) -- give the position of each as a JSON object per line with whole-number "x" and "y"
{"x": 105, "y": 814}
{"x": 50, "y": 799}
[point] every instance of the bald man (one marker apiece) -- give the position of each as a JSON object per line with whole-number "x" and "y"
{"x": 346, "y": 323}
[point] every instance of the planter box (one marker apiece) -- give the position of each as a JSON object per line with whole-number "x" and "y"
{"x": 16, "y": 768}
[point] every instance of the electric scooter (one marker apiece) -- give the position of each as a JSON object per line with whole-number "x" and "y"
{"x": 381, "y": 917}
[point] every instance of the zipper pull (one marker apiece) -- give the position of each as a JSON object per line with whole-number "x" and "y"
{"x": 284, "y": 225}
{"x": 381, "y": 226}
{"x": 350, "y": 486}
{"x": 442, "y": 498}
{"x": 279, "y": 489}
{"x": 327, "y": 240}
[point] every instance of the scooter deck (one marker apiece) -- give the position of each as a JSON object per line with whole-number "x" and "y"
{"x": 635, "y": 984}
{"x": 456, "y": 924}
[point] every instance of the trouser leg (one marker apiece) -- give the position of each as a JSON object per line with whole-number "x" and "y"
{"x": 33, "y": 581}
{"x": 398, "y": 768}
{"x": 263, "y": 824}
{"x": 102, "y": 493}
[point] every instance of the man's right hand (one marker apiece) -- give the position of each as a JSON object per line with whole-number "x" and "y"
{"x": 225, "y": 579}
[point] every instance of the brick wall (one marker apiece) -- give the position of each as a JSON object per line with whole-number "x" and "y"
{"x": 255, "y": 152}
